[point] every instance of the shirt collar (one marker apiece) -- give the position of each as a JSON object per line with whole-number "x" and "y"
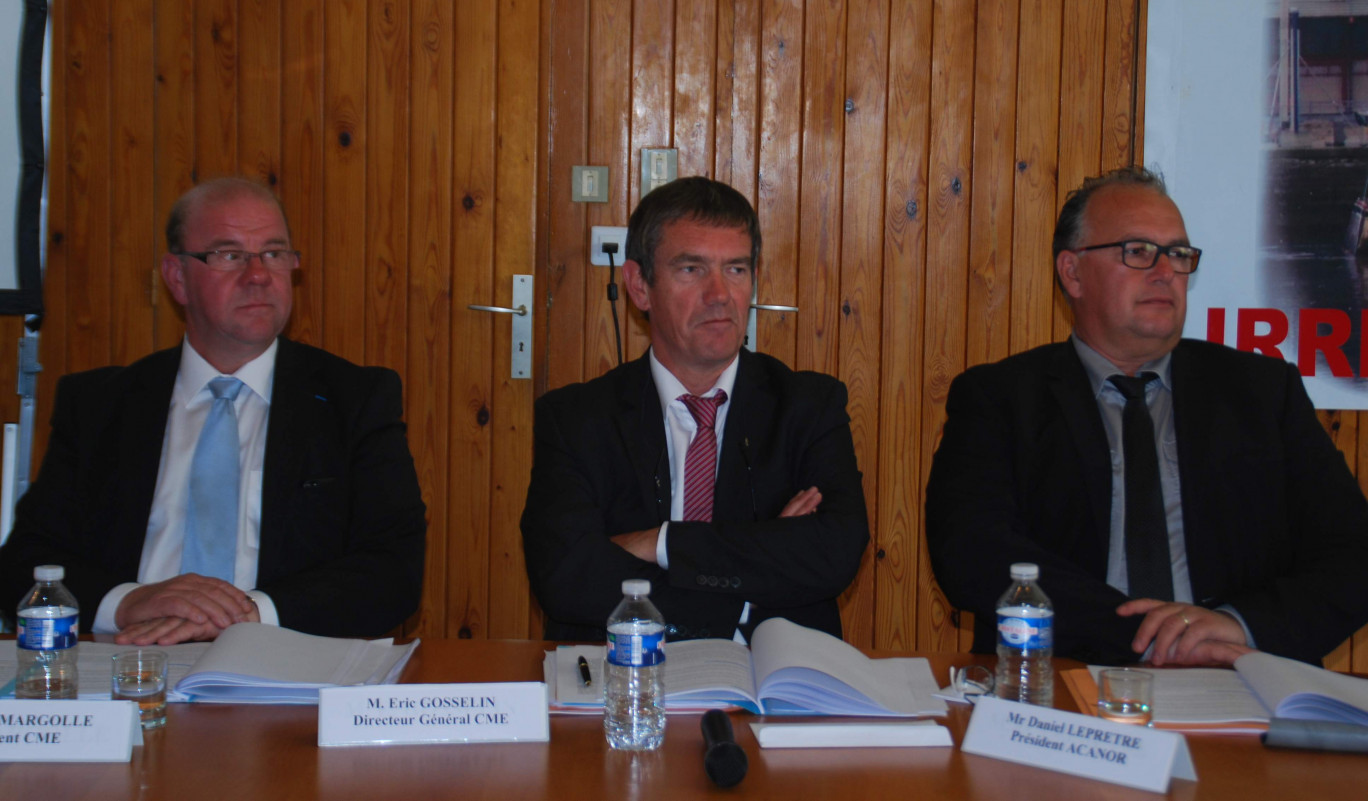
{"x": 195, "y": 374}
{"x": 1099, "y": 368}
{"x": 670, "y": 388}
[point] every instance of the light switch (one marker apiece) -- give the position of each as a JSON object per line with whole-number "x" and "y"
{"x": 589, "y": 184}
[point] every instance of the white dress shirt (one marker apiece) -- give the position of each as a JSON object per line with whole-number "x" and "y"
{"x": 190, "y": 404}
{"x": 680, "y": 428}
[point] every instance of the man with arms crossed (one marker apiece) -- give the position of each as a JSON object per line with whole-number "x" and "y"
{"x": 723, "y": 477}
{"x": 237, "y": 477}
{"x": 1232, "y": 524}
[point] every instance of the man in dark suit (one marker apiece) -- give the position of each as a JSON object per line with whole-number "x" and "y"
{"x": 1262, "y": 533}
{"x": 773, "y": 524}
{"x": 326, "y": 533}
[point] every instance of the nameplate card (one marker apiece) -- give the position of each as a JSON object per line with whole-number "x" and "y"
{"x": 1120, "y": 753}
{"x": 68, "y": 731}
{"x": 398, "y": 714}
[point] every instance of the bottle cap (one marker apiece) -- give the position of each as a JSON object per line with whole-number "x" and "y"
{"x": 49, "y": 573}
{"x": 636, "y": 587}
{"x": 1025, "y": 571}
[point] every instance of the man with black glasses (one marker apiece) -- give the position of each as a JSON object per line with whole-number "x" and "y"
{"x": 237, "y": 477}
{"x": 1180, "y": 497}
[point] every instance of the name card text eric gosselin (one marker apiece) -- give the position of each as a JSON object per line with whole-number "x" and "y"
{"x": 392, "y": 714}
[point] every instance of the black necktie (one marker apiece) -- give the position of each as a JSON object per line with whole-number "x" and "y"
{"x": 1149, "y": 571}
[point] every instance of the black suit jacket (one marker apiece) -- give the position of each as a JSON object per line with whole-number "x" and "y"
{"x": 1274, "y": 523}
{"x": 342, "y": 519}
{"x": 600, "y": 468}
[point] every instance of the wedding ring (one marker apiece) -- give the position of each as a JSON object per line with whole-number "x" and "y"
{"x": 1186, "y": 622}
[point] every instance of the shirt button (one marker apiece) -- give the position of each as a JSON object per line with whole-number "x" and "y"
{"x": 702, "y": 580}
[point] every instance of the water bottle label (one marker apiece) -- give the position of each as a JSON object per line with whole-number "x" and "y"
{"x": 47, "y": 634}
{"x": 1026, "y": 633}
{"x": 636, "y": 650}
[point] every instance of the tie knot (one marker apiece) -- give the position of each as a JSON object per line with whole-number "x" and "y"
{"x": 704, "y": 410}
{"x": 1132, "y": 387}
{"x": 225, "y": 387}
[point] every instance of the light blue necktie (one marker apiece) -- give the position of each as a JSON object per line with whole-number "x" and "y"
{"x": 211, "y": 523}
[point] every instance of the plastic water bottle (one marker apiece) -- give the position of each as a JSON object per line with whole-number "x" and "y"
{"x": 47, "y": 625}
{"x": 634, "y": 690}
{"x": 1025, "y": 623}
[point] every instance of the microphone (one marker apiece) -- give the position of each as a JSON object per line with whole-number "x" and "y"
{"x": 724, "y": 760}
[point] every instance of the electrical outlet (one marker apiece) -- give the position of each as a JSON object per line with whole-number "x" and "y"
{"x": 600, "y": 234}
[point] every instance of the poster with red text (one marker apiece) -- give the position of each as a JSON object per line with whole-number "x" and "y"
{"x": 1256, "y": 112}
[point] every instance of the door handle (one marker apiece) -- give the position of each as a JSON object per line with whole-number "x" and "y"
{"x": 520, "y": 344}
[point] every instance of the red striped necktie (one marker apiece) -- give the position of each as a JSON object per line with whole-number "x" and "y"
{"x": 700, "y": 462}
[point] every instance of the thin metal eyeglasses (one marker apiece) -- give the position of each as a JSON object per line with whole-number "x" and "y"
{"x": 1139, "y": 254}
{"x": 279, "y": 260}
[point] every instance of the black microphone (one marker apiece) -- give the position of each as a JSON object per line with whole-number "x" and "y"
{"x": 723, "y": 759}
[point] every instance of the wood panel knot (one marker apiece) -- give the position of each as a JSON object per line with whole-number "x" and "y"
{"x": 881, "y": 554}
{"x": 956, "y": 185}
{"x": 57, "y": 237}
{"x": 850, "y": 105}
{"x": 1021, "y": 166}
{"x": 464, "y": 633}
{"x": 344, "y": 138}
{"x": 911, "y": 209}
{"x": 845, "y": 308}
{"x": 467, "y": 202}
{"x": 271, "y": 178}
{"x": 482, "y": 416}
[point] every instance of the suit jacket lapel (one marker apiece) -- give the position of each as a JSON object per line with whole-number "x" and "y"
{"x": 1195, "y": 420}
{"x": 1069, "y": 384}
{"x": 291, "y": 389}
{"x": 641, "y": 424}
{"x": 752, "y": 404}
{"x": 144, "y": 413}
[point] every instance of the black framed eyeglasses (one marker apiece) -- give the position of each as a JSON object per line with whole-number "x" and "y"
{"x": 279, "y": 260}
{"x": 1139, "y": 254}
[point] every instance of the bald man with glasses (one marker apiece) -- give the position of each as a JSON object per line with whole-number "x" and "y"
{"x": 1180, "y": 497}
{"x": 236, "y": 477}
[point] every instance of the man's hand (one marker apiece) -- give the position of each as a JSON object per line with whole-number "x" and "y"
{"x": 1183, "y": 634}
{"x": 804, "y": 503}
{"x": 172, "y": 630}
{"x": 194, "y": 598}
{"x": 641, "y": 544}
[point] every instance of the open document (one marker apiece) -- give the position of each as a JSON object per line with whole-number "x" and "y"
{"x": 788, "y": 669}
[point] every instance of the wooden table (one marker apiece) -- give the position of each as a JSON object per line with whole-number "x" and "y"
{"x": 265, "y": 752}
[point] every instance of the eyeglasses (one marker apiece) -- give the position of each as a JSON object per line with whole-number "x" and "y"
{"x": 1139, "y": 254}
{"x": 277, "y": 260}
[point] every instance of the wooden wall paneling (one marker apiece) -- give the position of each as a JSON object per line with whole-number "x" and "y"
{"x": 387, "y": 173}
{"x": 470, "y": 564}
{"x": 1119, "y": 83}
{"x": 577, "y": 339}
{"x": 259, "y": 85}
{"x": 52, "y": 351}
{"x": 988, "y": 335}
{"x": 947, "y": 262}
{"x": 820, "y": 187}
{"x": 738, "y": 95}
{"x": 301, "y": 159}
{"x": 779, "y": 160}
{"x": 606, "y": 141}
{"x": 173, "y": 109}
{"x": 432, "y": 421}
{"x": 345, "y": 150}
{"x": 518, "y": 123}
{"x": 897, "y": 545}
{"x": 88, "y": 86}
{"x": 1083, "y": 44}
{"x": 131, "y": 162}
{"x": 651, "y": 122}
{"x": 1034, "y": 190}
{"x": 216, "y": 88}
{"x": 861, "y": 273}
{"x": 695, "y": 84}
